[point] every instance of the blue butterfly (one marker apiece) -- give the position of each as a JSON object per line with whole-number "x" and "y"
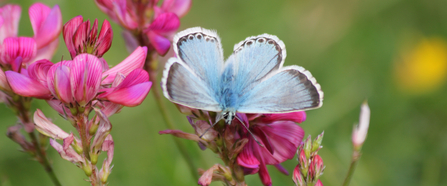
{"x": 252, "y": 80}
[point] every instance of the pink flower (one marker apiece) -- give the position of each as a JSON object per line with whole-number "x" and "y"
{"x": 80, "y": 38}
{"x": 156, "y": 23}
{"x": 46, "y": 24}
{"x": 280, "y": 140}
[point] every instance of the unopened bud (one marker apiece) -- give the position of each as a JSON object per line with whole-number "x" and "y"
{"x": 94, "y": 158}
{"x": 87, "y": 169}
{"x": 317, "y": 142}
{"x": 297, "y": 177}
{"x": 308, "y": 147}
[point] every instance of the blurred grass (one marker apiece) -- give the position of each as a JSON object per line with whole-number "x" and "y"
{"x": 350, "y": 46}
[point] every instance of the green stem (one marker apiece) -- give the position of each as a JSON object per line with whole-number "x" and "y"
{"x": 24, "y": 116}
{"x": 170, "y": 125}
{"x": 355, "y": 157}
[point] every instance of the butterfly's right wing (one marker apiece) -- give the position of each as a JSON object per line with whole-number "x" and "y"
{"x": 192, "y": 78}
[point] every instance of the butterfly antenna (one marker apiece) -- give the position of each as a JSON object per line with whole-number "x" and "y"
{"x": 254, "y": 137}
{"x": 209, "y": 128}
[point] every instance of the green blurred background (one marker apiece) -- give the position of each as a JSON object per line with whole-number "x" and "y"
{"x": 391, "y": 52}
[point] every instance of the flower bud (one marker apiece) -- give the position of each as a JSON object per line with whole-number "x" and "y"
{"x": 297, "y": 177}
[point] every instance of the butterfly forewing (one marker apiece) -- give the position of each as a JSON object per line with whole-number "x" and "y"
{"x": 200, "y": 50}
{"x": 180, "y": 85}
{"x": 289, "y": 89}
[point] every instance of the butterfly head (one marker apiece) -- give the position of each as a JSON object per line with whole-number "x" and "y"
{"x": 228, "y": 116}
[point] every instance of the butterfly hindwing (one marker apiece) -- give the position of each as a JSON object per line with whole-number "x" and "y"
{"x": 180, "y": 85}
{"x": 289, "y": 89}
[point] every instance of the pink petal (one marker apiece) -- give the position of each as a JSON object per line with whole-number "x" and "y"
{"x": 134, "y": 61}
{"x": 50, "y": 26}
{"x": 105, "y": 37}
{"x": 111, "y": 108}
{"x": 68, "y": 31}
{"x": 264, "y": 175}
{"x": 11, "y": 17}
{"x": 37, "y": 14}
{"x": 284, "y": 136}
{"x": 14, "y": 47}
{"x": 297, "y": 117}
{"x": 131, "y": 96}
{"x": 123, "y": 13}
{"x": 62, "y": 85}
{"x": 160, "y": 43}
{"x": 165, "y": 23}
{"x": 319, "y": 183}
{"x": 26, "y": 86}
{"x": 46, "y": 127}
{"x": 247, "y": 159}
{"x": 59, "y": 107}
{"x": 39, "y": 70}
{"x": 179, "y": 7}
{"x": 103, "y": 130}
{"x": 86, "y": 71}
{"x": 80, "y": 37}
{"x": 107, "y": 7}
{"x": 137, "y": 76}
{"x": 281, "y": 169}
{"x": 51, "y": 75}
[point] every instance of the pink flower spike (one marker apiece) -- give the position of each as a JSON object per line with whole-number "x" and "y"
{"x": 131, "y": 96}
{"x": 26, "y": 86}
{"x": 47, "y": 128}
{"x": 361, "y": 130}
{"x": 179, "y": 7}
{"x": 11, "y": 16}
{"x": 14, "y": 47}
{"x": 47, "y": 24}
{"x": 132, "y": 62}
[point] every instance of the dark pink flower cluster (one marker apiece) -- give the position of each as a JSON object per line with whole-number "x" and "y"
{"x": 146, "y": 23}
{"x": 277, "y": 134}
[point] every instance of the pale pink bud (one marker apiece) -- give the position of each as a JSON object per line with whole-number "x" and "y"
{"x": 68, "y": 153}
{"x": 361, "y": 130}
{"x": 207, "y": 176}
{"x": 106, "y": 169}
{"x": 316, "y": 167}
{"x": 103, "y": 130}
{"x": 47, "y": 128}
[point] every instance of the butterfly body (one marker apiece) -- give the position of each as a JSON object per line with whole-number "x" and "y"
{"x": 251, "y": 80}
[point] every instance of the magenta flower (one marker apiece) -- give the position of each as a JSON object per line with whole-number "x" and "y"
{"x": 280, "y": 139}
{"x": 80, "y": 38}
{"x": 79, "y": 81}
{"x": 157, "y": 24}
{"x": 46, "y": 24}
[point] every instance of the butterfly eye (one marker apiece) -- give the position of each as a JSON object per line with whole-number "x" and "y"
{"x": 271, "y": 42}
{"x": 261, "y": 40}
{"x": 249, "y": 43}
{"x": 190, "y": 37}
{"x": 199, "y": 36}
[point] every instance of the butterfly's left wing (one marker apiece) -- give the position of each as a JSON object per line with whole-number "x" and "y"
{"x": 287, "y": 90}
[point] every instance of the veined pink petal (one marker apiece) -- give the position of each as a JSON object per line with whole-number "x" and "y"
{"x": 50, "y": 26}
{"x": 39, "y": 70}
{"x": 26, "y": 86}
{"x": 11, "y": 16}
{"x": 62, "y": 85}
{"x": 160, "y": 43}
{"x": 179, "y": 7}
{"x": 165, "y": 23}
{"x": 93, "y": 32}
{"x": 137, "y": 76}
{"x": 131, "y": 96}
{"x": 80, "y": 36}
{"x": 247, "y": 159}
{"x": 51, "y": 75}
{"x": 123, "y": 13}
{"x": 134, "y": 61}
{"x": 105, "y": 37}
{"x": 14, "y": 47}
{"x": 86, "y": 71}
{"x": 47, "y": 128}
{"x": 111, "y": 108}
{"x": 103, "y": 130}
{"x": 284, "y": 137}
{"x": 68, "y": 31}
